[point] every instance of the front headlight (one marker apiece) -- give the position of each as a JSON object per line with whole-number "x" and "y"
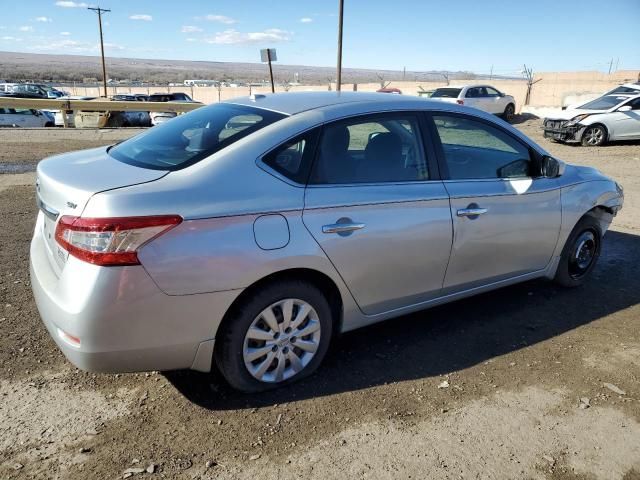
{"x": 577, "y": 119}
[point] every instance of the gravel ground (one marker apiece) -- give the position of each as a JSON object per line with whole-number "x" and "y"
{"x": 531, "y": 381}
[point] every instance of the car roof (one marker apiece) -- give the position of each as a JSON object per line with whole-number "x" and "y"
{"x": 291, "y": 103}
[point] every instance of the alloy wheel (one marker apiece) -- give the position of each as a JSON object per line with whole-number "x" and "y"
{"x": 281, "y": 340}
{"x": 594, "y": 136}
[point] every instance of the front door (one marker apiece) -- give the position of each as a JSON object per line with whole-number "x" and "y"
{"x": 626, "y": 125}
{"x": 379, "y": 212}
{"x": 506, "y": 219}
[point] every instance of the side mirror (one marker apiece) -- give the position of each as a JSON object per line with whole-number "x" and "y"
{"x": 501, "y": 94}
{"x": 552, "y": 167}
{"x": 372, "y": 135}
{"x": 625, "y": 108}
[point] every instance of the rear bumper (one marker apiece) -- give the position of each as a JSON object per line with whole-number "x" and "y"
{"x": 124, "y": 322}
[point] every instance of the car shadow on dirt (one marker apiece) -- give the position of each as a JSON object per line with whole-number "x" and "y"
{"x": 448, "y": 338}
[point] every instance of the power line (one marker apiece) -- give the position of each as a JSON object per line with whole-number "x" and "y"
{"x": 100, "y": 11}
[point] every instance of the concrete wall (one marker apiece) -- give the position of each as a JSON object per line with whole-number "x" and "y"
{"x": 555, "y": 89}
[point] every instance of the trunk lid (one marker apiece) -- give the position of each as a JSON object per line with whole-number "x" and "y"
{"x": 65, "y": 183}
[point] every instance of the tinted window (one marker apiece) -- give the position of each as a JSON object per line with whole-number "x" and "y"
{"x": 475, "y": 150}
{"x": 293, "y": 159}
{"x": 384, "y": 148}
{"x": 492, "y": 92}
{"x": 634, "y": 104}
{"x": 446, "y": 93}
{"x": 191, "y": 137}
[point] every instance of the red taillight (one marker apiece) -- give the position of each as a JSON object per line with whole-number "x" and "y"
{"x": 460, "y": 102}
{"x": 110, "y": 241}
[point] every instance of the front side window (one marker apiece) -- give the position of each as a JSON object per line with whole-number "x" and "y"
{"x": 192, "y": 137}
{"x": 492, "y": 92}
{"x": 375, "y": 149}
{"x": 476, "y": 150}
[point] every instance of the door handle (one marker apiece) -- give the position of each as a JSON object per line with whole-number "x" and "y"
{"x": 342, "y": 227}
{"x": 471, "y": 212}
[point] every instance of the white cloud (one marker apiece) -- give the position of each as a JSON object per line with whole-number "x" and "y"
{"x": 218, "y": 18}
{"x": 26, "y": 28}
{"x": 43, "y": 19}
{"x": 233, "y": 37}
{"x": 9, "y": 39}
{"x": 74, "y": 46}
{"x": 190, "y": 29}
{"x": 143, "y": 17}
{"x": 306, "y": 20}
{"x": 65, "y": 34}
{"x": 69, "y": 4}
{"x": 192, "y": 39}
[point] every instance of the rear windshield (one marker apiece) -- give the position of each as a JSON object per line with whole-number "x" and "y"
{"x": 446, "y": 93}
{"x": 189, "y": 138}
{"x": 604, "y": 103}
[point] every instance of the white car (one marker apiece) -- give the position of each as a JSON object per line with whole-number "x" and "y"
{"x": 482, "y": 97}
{"x": 605, "y": 119}
{"x": 26, "y": 118}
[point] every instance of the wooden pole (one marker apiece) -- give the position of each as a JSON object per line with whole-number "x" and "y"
{"x": 104, "y": 68}
{"x": 339, "y": 66}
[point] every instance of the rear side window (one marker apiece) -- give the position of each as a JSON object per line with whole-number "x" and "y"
{"x": 476, "y": 150}
{"x": 189, "y": 138}
{"x": 293, "y": 159}
{"x": 446, "y": 93}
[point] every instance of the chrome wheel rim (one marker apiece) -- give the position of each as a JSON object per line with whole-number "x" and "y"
{"x": 281, "y": 340}
{"x": 594, "y": 136}
{"x": 583, "y": 253}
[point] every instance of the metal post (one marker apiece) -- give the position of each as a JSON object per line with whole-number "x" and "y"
{"x": 273, "y": 88}
{"x": 104, "y": 68}
{"x": 339, "y": 66}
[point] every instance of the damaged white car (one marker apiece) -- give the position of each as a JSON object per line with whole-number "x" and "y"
{"x": 606, "y": 119}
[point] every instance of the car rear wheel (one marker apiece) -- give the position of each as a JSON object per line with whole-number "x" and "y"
{"x": 594, "y": 136}
{"x": 509, "y": 112}
{"x": 278, "y": 336}
{"x": 580, "y": 254}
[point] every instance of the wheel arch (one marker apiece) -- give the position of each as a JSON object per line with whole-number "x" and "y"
{"x": 315, "y": 277}
{"x": 596, "y": 124}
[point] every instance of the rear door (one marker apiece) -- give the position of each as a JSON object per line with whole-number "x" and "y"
{"x": 377, "y": 208}
{"x": 506, "y": 219}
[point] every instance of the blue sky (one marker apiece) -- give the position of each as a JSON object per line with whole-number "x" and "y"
{"x": 419, "y": 35}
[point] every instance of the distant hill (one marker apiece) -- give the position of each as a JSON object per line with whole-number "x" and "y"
{"x": 74, "y": 68}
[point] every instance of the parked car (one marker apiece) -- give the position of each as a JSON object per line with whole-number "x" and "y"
{"x": 482, "y": 97}
{"x": 249, "y": 232}
{"x": 161, "y": 117}
{"x": 113, "y": 118}
{"x": 24, "y": 117}
{"x": 58, "y": 120}
{"x": 605, "y": 119}
{"x": 396, "y": 91}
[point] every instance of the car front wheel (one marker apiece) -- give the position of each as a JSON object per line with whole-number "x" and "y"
{"x": 278, "y": 336}
{"x": 580, "y": 254}
{"x": 594, "y": 136}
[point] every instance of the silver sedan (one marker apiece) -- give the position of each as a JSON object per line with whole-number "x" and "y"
{"x": 247, "y": 234}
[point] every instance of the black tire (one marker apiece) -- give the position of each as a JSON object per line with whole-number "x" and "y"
{"x": 509, "y": 112}
{"x": 228, "y": 351}
{"x": 585, "y": 235}
{"x": 116, "y": 121}
{"x": 49, "y": 125}
{"x": 594, "y": 136}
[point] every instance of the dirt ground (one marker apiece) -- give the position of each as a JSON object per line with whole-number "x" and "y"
{"x": 531, "y": 381}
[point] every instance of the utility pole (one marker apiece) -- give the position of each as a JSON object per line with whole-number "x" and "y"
{"x": 339, "y": 69}
{"x": 491, "y": 74}
{"x": 100, "y": 11}
{"x": 610, "y": 65}
{"x": 273, "y": 87}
